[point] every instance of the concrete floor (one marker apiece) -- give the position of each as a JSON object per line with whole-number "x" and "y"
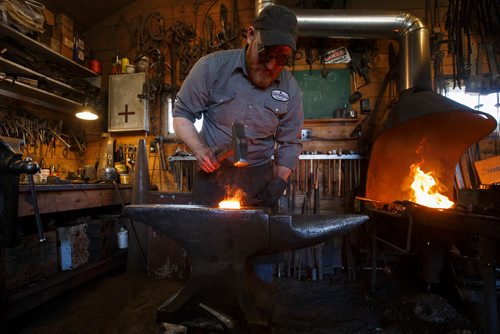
{"x": 120, "y": 302}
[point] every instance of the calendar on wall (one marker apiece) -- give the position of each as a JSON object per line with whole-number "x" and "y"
{"x": 126, "y": 111}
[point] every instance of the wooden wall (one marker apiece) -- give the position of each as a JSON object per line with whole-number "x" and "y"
{"x": 118, "y": 34}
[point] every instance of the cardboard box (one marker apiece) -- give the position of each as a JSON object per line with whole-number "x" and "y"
{"x": 48, "y": 39}
{"x": 49, "y": 17}
{"x": 62, "y": 30}
{"x": 55, "y": 44}
{"x": 57, "y": 33}
{"x": 64, "y": 20}
{"x": 67, "y": 52}
{"x": 73, "y": 245}
{"x": 67, "y": 42}
{"x": 67, "y": 46}
{"x": 489, "y": 170}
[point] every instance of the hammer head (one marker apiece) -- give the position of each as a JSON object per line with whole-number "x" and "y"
{"x": 239, "y": 144}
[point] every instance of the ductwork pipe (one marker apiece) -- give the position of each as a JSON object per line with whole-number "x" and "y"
{"x": 408, "y": 30}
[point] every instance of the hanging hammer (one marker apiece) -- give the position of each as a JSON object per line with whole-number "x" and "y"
{"x": 238, "y": 147}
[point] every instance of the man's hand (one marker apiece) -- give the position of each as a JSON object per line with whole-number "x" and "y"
{"x": 185, "y": 131}
{"x": 272, "y": 192}
{"x": 206, "y": 159}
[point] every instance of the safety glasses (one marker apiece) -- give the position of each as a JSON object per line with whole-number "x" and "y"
{"x": 266, "y": 54}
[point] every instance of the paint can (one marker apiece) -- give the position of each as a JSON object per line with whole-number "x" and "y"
{"x": 122, "y": 238}
{"x": 95, "y": 66}
{"x": 124, "y": 63}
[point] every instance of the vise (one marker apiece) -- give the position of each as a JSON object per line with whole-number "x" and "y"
{"x": 11, "y": 166}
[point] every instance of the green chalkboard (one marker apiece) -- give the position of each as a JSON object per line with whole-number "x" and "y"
{"x": 321, "y": 96}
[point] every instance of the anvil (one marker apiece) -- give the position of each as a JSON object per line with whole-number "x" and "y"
{"x": 221, "y": 244}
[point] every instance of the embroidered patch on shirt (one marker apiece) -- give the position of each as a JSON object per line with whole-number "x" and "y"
{"x": 280, "y": 95}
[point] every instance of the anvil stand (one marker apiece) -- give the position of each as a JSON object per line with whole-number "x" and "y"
{"x": 221, "y": 244}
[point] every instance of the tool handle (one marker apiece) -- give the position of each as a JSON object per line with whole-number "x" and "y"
{"x": 224, "y": 154}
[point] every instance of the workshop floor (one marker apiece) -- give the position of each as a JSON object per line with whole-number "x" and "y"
{"x": 126, "y": 303}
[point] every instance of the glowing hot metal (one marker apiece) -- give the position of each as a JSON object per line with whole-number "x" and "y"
{"x": 230, "y": 204}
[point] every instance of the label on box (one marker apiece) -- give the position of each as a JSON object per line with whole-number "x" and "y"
{"x": 80, "y": 44}
{"x": 67, "y": 42}
{"x": 489, "y": 170}
{"x": 65, "y": 255}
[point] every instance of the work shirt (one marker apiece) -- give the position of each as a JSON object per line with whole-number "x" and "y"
{"x": 217, "y": 88}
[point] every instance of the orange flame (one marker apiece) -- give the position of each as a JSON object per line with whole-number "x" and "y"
{"x": 425, "y": 190}
{"x": 232, "y": 202}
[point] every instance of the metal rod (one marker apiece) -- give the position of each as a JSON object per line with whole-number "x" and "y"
{"x": 60, "y": 139}
{"x": 38, "y": 220}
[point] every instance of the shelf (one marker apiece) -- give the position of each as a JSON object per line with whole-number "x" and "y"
{"x": 46, "y": 52}
{"x": 38, "y": 293}
{"x": 51, "y": 92}
{"x": 21, "y": 91}
{"x": 16, "y": 69}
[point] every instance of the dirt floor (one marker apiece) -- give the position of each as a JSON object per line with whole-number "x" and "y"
{"x": 122, "y": 302}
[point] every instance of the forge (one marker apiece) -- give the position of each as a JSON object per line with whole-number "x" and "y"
{"x": 221, "y": 244}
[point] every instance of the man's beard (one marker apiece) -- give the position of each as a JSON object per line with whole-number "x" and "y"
{"x": 260, "y": 78}
{"x": 258, "y": 74}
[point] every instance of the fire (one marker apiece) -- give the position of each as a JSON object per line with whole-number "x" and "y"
{"x": 232, "y": 201}
{"x": 425, "y": 190}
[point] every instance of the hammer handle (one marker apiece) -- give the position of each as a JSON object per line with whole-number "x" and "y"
{"x": 224, "y": 154}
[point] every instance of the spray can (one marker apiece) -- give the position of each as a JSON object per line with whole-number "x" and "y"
{"x": 122, "y": 238}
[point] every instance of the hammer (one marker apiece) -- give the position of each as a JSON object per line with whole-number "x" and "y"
{"x": 238, "y": 147}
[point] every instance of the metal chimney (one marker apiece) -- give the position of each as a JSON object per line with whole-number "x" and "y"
{"x": 406, "y": 29}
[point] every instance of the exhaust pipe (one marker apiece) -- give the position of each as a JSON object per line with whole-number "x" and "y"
{"x": 409, "y": 31}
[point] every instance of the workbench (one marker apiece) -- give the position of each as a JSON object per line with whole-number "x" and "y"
{"x": 53, "y": 198}
{"x": 65, "y": 197}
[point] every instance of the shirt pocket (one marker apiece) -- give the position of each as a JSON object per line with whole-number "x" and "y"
{"x": 271, "y": 113}
{"x": 221, "y": 105}
{"x": 278, "y": 108}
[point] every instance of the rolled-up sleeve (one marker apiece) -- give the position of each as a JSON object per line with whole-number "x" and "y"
{"x": 191, "y": 100}
{"x": 288, "y": 133}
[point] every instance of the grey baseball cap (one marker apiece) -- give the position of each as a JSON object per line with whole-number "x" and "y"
{"x": 278, "y": 26}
